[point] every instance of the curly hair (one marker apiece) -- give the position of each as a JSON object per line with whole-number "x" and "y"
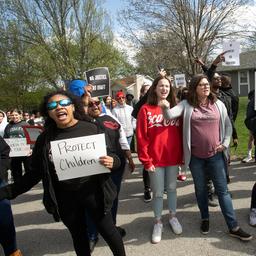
{"x": 192, "y": 95}
{"x": 152, "y": 97}
{"x": 79, "y": 112}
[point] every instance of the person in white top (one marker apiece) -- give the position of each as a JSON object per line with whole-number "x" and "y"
{"x": 3, "y": 122}
{"x": 123, "y": 113}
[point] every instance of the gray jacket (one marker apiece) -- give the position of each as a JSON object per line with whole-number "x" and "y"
{"x": 185, "y": 109}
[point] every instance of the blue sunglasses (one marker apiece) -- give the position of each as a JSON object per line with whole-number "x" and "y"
{"x": 63, "y": 103}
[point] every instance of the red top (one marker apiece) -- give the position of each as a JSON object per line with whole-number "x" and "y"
{"x": 159, "y": 141}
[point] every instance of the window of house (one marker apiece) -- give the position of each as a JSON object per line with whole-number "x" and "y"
{"x": 244, "y": 85}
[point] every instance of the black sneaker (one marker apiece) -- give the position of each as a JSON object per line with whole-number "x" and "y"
{"x": 92, "y": 243}
{"x": 240, "y": 234}
{"x": 121, "y": 231}
{"x": 147, "y": 196}
{"x": 204, "y": 228}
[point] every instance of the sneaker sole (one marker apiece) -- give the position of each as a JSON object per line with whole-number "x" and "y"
{"x": 241, "y": 238}
{"x": 204, "y": 232}
{"x": 154, "y": 242}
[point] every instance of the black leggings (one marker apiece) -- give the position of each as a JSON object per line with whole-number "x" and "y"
{"x": 253, "y": 198}
{"x": 16, "y": 166}
{"x": 146, "y": 179}
{"x": 72, "y": 207}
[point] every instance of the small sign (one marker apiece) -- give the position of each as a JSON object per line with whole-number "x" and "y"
{"x": 180, "y": 80}
{"x": 232, "y": 49}
{"x": 32, "y": 132}
{"x": 99, "y": 78}
{"x": 79, "y": 157}
{"x": 19, "y": 147}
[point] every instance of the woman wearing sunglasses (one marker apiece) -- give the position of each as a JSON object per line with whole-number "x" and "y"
{"x": 68, "y": 200}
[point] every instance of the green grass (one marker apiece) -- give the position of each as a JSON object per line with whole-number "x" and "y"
{"x": 242, "y": 131}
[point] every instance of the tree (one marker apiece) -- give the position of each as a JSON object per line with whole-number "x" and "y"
{"x": 44, "y": 41}
{"x": 190, "y": 28}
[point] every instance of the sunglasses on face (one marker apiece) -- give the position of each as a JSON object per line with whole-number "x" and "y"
{"x": 121, "y": 98}
{"x": 63, "y": 103}
{"x": 93, "y": 103}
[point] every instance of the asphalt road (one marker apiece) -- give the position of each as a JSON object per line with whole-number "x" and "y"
{"x": 39, "y": 235}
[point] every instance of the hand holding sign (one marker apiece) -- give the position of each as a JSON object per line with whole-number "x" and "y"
{"x": 107, "y": 161}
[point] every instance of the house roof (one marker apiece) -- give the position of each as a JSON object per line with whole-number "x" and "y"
{"x": 124, "y": 82}
{"x": 247, "y": 61}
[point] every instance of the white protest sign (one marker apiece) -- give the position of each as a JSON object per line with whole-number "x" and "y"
{"x": 232, "y": 55}
{"x": 19, "y": 147}
{"x": 79, "y": 157}
{"x": 180, "y": 80}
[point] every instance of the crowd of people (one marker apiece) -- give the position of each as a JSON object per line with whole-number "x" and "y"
{"x": 191, "y": 128}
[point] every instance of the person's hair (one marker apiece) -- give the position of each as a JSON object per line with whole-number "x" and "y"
{"x": 79, "y": 112}
{"x": 152, "y": 96}
{"x": 192, "y": 95}
{"x": 105, "y": 98}
{"x": 16, "y": 110}
{"x": 142, "y": 89}
{"x": 225, "y": 81}
{"x": 182, "y": 93}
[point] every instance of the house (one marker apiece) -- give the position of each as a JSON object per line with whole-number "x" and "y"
{"x": 243, "y": 76}
{"x": 131, "y": 84}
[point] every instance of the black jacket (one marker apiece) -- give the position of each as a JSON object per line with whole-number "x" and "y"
{"x": 41, "y": 169}
{"x": 4, "y": 159}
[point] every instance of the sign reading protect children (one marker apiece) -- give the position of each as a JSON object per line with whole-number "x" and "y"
{"x": 79, "y": 157}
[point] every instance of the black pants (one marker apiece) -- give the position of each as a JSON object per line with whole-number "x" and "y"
{"x": 16, "y": 166}
{"x": 72, "y": 208}
{"x": 253, "y": 198}
{"x": 146, "y": 179}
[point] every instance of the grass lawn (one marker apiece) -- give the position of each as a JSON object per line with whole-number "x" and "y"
{"x": 242, "y": 131}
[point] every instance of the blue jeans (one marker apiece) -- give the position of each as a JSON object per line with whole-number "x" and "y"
{"x": 215, "y": 168}
{"x": 129, "y": 139}
{"x": 161, "y": 178}
{"x": 7, "y": 228}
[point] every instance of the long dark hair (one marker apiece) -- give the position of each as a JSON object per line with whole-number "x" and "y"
{"x": 192, "y": 95}
{"x": 152, "y": 97}
{"x": 79, "y": 112}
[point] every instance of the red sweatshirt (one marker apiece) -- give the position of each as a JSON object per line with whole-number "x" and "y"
{"x": 159, "y": 141}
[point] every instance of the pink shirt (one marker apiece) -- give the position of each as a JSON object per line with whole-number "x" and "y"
{"x": 205, "y": 131}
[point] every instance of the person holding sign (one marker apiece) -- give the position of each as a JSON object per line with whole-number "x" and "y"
{"x": 69, "y": 199}
{"x": 160, "y": 151}
{"x": 15, "y": 130}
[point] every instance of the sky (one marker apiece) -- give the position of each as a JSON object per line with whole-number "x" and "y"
{"x": 113, "y": 6}
{"x": 246, "y": 16}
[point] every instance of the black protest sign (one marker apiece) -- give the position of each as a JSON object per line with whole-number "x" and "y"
{"x": 99, "y": 78}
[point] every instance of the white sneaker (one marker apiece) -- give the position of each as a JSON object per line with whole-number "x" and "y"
{"x": 157, "y": 233}
{"x": 252, "y": 217}
{"x": 247, "y": 159}
{"x": 175, "y": 225}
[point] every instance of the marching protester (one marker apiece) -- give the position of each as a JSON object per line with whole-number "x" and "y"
{"x": 3, "y": 122}
{"x": 160, "y": 151}
{"x": 123, "y": 113}
{"x": 7, "y": 228}
{"x": 14, "y": 130}
{"x": 250, "y": 123}
{"x": 69, "y": 199}
{"x": 119, "y": 145}
{"x": 206, "y": 137}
